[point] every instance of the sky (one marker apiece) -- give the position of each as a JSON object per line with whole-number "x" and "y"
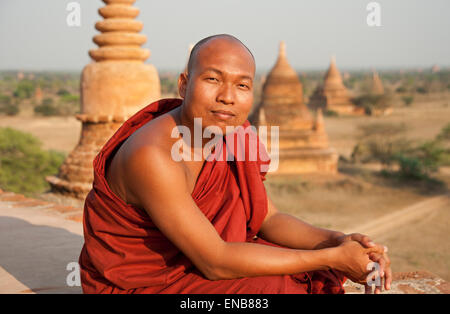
{"x": 34, "y": 35}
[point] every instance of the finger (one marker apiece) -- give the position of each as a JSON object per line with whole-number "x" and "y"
{"x": 377, "y": 290}
{"x": 382, "y": 264}
{"x": 376, "y": 249}
{"x": 378, "y": 258}
{"x": 388, "y": 278}
{"x": 388, "y": 272}
{"x": 363, "y": 240}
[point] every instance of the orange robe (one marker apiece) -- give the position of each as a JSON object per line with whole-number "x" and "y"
{"x": 124, "y": 252}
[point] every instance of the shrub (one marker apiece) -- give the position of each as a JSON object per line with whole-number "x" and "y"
{"x": 379, "y": 142}
{"x": 62, "y": 92}
{"x": 7, "y": 106}
{"x": 371, "y": 102}
{"x": 408, "y": 100}
{"x": 422, "y": 90}
{"x": 23, "y": 164}
{"x": 401, "y": 89}
{"x": 331, "y": 113}
{"x": 410, "y": 167}
{"x": 384, "y": 144}
{"x": 47, "y": 108}
{"x": 24, "y": 89}
{"x": 444, "y": 135}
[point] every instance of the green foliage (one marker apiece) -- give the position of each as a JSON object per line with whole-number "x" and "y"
{"x": 422, "y": 90}
{"x": 408, "y": 100}
{"x": 47, "y": 108}
{"x": 444, "y": 135}
{"x": 24, "y": 89}
{"x": 62, "y": 92}
{"x": 70, "y": 98}
{"x": 68, "y": 104}
{"x": 330, "y": 113}
{"x": 371, "y": 102}
{"x": 410, "y": 167}
{"x": 401, "y": 89}
{"x": 7, "y": 106}
{"x": 23, "y": 164}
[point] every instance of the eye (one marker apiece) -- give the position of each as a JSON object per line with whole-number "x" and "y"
{"x": 212, "y": 79}
{"x": 244, "y": 86}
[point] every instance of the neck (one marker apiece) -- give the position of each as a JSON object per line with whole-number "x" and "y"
{"x": 197, "y": 142}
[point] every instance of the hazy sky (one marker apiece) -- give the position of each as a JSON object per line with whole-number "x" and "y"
{"x": 34, "y": 34}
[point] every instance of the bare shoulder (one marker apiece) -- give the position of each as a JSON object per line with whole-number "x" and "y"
{"x": 144, "y": 162}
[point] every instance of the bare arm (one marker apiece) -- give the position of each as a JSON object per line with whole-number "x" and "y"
{"x": 289, "y": 231}
{"x": 160, "y": 185}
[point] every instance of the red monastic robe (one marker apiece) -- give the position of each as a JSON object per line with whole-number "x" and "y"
{"x": 124, "y": 252}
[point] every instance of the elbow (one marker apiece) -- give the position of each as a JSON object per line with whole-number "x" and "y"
{"x": 215, "y": 273}
{"x": 217, "y": 266}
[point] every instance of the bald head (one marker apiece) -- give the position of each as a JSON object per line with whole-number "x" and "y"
{"x": 221, "y": 37}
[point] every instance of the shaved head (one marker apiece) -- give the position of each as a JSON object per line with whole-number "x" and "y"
{"x": 198, "y": 46}
{"x": 217, "y": 84}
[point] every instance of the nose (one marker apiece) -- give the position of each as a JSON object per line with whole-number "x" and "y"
{"x": 226, "y": 94}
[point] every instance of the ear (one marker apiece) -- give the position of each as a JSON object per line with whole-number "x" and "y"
{"x": 182, "y": 84}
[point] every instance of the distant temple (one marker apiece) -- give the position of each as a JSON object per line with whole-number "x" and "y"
{"x": 377, "y": 89}
{"x": 435, "y": 68}
{"x": 113, "y": 88}
{"x": 333, "y": 95}
{"x": 303, "y": 142}
{"x": 377, "y": 85}
{"x": 38, "y": 95}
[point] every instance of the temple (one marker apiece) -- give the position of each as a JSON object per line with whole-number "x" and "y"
{"x": 377, "y": 85}
{"x": 303, "y": 142}
{"x": 333, "y": 95}
{"x": 113, "y": 87}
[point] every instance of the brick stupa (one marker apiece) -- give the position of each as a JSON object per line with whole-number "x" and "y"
{"x": 303, "y": 142}
{"x": 38, "y": 95}
{"x": 377, "y": 85}
{"x": 333, "y": 95}
{"x": 113, "y": 87}
{"x": 377, "y": 89}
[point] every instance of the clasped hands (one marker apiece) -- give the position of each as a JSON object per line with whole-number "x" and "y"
{"x": 376, "y": 253}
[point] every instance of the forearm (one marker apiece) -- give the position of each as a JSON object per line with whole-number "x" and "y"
{"x": 289, "y": 231}
{"x": 243, "y": 259}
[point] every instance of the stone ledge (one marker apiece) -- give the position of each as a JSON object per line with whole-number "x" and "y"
{"x": 15, "y": 200}
{"x": 417, "y": 282}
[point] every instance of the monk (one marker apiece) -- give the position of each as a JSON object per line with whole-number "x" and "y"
{"x": 155, "y": 223}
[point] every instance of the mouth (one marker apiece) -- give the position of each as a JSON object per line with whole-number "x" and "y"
{"x": 223, "y": 114}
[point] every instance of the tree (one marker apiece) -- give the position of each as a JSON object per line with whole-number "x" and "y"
{"x": 23, "y": 164}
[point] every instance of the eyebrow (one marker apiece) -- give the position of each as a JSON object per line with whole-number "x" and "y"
{"x": 221, "y": 73}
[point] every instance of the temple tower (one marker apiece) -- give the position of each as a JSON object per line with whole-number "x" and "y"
{"x": 333, "y": 95}
{"x": 303, "y": 142}
{"x": 377, "y": 85}
{"x": 113, "y": 88}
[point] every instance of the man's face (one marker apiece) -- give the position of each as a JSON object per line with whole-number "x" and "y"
{"x": 219, "y": 88}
